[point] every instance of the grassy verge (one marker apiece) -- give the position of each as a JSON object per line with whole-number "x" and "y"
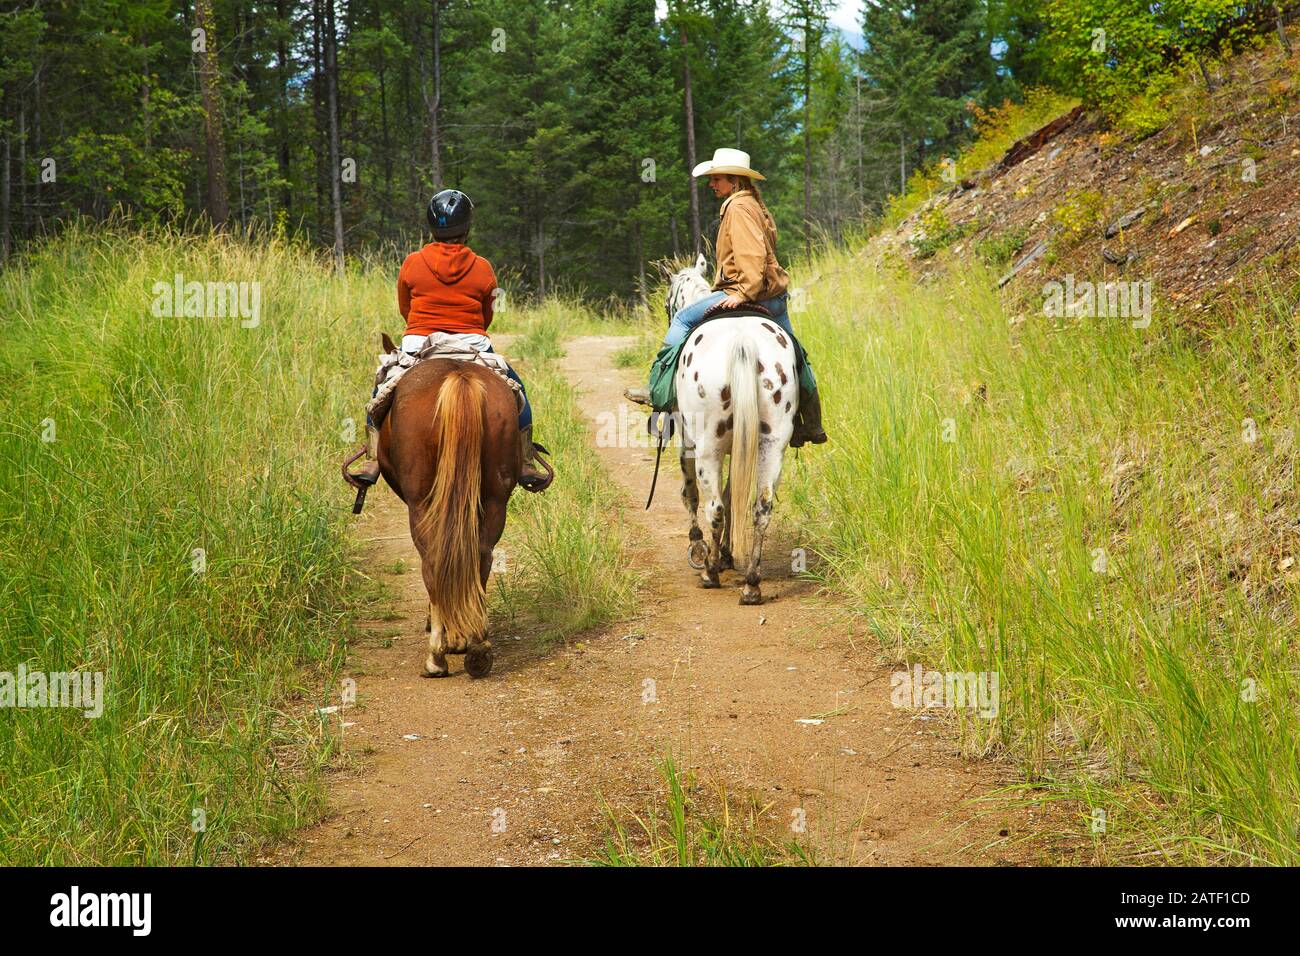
{"x": 172, "y": 521}
{"x": 1103, "y": 515}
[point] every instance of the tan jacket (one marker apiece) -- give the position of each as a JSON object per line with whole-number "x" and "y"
{"x": 746, "y": 250}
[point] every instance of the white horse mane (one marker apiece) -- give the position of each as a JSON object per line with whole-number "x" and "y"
{"x": 688, "y": 285}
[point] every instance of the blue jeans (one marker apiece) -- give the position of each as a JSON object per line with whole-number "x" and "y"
{"x": 688, "y": 317}
{"x": 525, "y": 415}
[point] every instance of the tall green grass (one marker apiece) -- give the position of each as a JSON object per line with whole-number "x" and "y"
{"x": 177, "y": 434}
{"x": 171, "y": 435}
{"x": 1105, "y": 529}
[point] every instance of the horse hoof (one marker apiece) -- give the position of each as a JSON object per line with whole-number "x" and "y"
{"x": 478, "y": 662}
{"x": 747, "y": 598}
{"x": 709, "y": 585}
{"x": 428, "y": 673}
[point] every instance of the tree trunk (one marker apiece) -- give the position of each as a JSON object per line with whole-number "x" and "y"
{"x": 36, "y": 144}
{"x": 23, "y": 198}
{"x": 318, "y": 103}
{"x": 807, "y": 137}
{"x": 387, "y": 138}
{"x": 4, "y": 202}
{"x": 1281, "y": 28}
{"x": 218, "y": 205}
{"x": 541, "y": 261}
{"x": 435, "y": 101}
{"x": 282, "y": 77}
{"x": 690, "y": 147}
{"x": 332, "y": 85}
{"x": 902, "y": 164}
{"x": 1205, "y": 75}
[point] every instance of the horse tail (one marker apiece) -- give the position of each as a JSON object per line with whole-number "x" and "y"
{"x": 744, "y": 445}
{"x": 450, "y": 523}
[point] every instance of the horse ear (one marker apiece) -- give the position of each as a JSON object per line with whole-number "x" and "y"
{"x": 387, "y": 343}
{"x": 702, "y": 265}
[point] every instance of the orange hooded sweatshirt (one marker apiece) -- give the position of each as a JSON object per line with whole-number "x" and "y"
{"x": 445, "y": 287}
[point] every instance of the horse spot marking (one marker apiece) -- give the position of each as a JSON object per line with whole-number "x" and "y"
{"x": 700, "y": 388}
{"x": 726, "y": 393}
{"x": 697, "y": 374}
{"x": 780, "y": 339}
{"x": 765, "y": 428}
{"x": 780, "y": 371}
{"x": 760, "y": 368}
{"x": 776, "y": 397}
{"x": 689, "y": 356}
{"x": 769, "y": 328}
{"x": 767, "y": 384}
{"x": 787, "y": 406}
{"x": 698, "y": 338}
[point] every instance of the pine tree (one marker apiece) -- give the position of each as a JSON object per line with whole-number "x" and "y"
{"x": 905, "y": 69}
{"x": 629, "y": 105}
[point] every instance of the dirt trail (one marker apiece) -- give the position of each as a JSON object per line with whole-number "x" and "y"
{"x": 512, "y": 769}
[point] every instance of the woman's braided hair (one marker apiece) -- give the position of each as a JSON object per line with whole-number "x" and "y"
{"x": 744, "y": 182}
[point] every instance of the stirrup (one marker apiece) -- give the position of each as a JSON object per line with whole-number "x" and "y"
{"x": 798, "y": 441}
{"x": 357, "y": 482}
{"x": 537, "y": 483}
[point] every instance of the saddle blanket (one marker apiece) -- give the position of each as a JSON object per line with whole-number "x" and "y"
{"x": 663, "y": 377}
{"x": 461, "y": 348}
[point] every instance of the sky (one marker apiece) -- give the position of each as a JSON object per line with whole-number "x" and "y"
{"x": 846, "y": 15}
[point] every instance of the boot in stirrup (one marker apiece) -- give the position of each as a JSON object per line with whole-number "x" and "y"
{"x": 368, "y": 473}
{"x": 639, "y": 394}
{"x": 808, "y": 421}
{"x": 531, "y": 477}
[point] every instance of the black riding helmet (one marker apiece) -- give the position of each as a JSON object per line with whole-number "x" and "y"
{"x": 450, "y": 212}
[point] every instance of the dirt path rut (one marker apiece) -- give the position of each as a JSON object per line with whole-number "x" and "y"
{"x": 782, "y": 702}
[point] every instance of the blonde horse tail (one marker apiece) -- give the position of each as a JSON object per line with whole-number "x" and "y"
{"x": 744, "y": 446}
{"x": 450, "y": 523}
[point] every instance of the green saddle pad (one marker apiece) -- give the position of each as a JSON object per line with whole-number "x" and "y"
{"x": 663, "y": 374}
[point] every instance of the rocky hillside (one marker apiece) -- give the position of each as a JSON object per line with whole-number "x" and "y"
{"x": 1194, "y": 190}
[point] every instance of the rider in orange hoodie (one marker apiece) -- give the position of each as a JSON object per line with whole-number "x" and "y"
{"x": 445, "y": 287}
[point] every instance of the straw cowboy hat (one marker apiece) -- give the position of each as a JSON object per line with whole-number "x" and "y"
{"x": 734, "y": 162}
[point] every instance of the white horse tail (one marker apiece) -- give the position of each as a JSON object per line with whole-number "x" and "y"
{"x": 744, "y": 445}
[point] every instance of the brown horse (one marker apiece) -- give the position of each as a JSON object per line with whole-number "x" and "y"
{"x": 449, "y": 447}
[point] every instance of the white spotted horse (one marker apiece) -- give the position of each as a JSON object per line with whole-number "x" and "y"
{"x": 737, "y": 394}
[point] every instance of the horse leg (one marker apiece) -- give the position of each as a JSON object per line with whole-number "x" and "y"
{"x": 435, "y": 664}
{"x": 728, "y": 563}
{"x": 691, "y": 499}
{"x": 708, "y": 469}
{"x": 478, "y": 656}
{"x": 769, "y": 474}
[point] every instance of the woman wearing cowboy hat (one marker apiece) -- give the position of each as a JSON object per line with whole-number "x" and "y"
{"x": 747, "y": 272}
